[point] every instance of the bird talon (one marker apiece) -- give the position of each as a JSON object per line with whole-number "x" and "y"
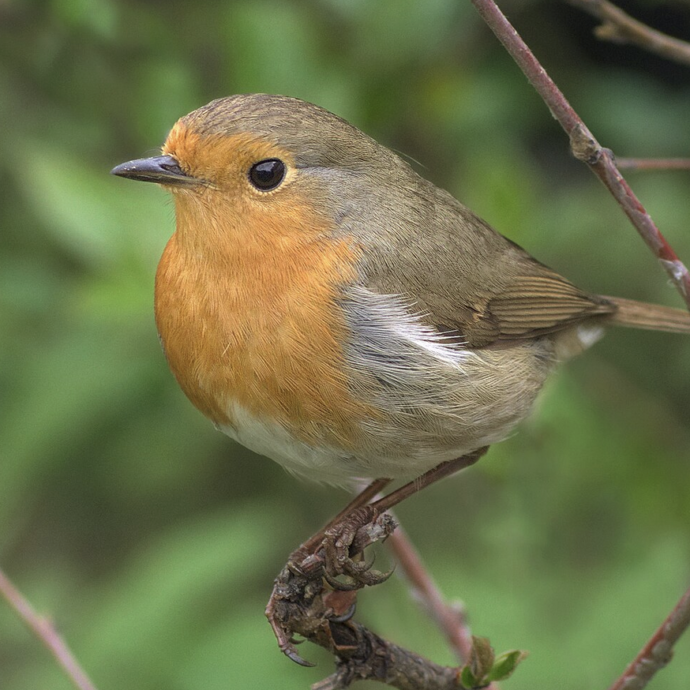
{"x": 340, "y": 585}
{"x": 344, "y": 617}
{"x": 376, "y": 577}
{"x": 356, "y": 568}
{"x": 292, "y": 654}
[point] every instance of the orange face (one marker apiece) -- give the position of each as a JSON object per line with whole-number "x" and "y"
{"x": 246, "y": 292}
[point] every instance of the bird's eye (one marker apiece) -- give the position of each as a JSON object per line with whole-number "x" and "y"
{"x": 268, "y": 174}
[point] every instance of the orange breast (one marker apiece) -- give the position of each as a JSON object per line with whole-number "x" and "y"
{"x": 246, "y": 309}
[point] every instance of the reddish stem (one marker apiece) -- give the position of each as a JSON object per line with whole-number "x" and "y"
{"x": 45, "y": 631}
{"x": 619, "y": 27}
{"x": 653, "y": 163}
{"x": 658, "y": 650}
{"x": 449, "y": 619}
{"x": 584, "y": 146}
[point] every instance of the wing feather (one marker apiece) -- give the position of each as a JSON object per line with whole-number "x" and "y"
{"x": 533, "y": 305}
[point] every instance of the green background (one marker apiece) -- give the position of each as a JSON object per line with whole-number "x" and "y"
{"x": 151, "y": 539}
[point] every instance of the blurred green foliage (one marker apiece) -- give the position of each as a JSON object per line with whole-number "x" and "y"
{"x": 150, "y": 538}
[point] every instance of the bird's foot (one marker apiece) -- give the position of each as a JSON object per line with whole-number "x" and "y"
{"x": 318, "y": 585}
{"x": 343, "y": 545}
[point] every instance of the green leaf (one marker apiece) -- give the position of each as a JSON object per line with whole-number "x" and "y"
{"x": 505, "y": 664}
{"x": 467, "y": 678}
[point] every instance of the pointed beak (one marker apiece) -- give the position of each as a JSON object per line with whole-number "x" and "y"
{"x": 161, "y": 169}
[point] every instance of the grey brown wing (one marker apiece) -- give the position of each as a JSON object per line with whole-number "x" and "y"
{"x": 537, "y": 304}
{"x": 470, "y": 281}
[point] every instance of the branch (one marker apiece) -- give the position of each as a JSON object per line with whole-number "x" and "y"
{"x": 449, "y": 618}
{"x": 653, "y": 163}
{"x": 619, "y": 27}
{"x": 585, "y": 147}
{"x": 46, "y": 633}
{"x": 658, "y": 650}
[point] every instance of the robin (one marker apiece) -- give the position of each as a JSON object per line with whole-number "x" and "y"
{"x": 327, "y": 307}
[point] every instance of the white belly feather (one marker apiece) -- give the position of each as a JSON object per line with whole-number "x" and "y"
{"x": 438, "y": 400}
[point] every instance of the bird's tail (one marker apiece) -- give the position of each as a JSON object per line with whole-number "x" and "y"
{"x": 651, "y": 317}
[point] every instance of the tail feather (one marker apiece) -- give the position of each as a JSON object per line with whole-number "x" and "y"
{"x": 649, "y": 316}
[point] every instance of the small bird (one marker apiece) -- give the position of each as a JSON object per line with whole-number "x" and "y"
{"x": 329, "y": 308}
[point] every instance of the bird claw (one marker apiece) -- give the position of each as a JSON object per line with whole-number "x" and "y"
{"x": 291, "y": 653}
{"x": 335, "y": 561}
{"x": 285, "y": 638}
{"x": 344, "y": 542}
{"x": 367, "y": 579}
{"x": 358, "y": 574}
{"x": 340, "y": 585}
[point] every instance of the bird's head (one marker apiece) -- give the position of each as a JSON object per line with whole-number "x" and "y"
{"x": 267, "y": 158}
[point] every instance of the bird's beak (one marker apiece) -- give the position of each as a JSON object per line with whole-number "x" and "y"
{"x": 161, "y": 169}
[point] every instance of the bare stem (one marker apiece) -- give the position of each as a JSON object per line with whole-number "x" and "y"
{"x": 619, "y": 27}
{"x": 449, "y": 618}
{"x": 658, "y": 650}
{"x": 46, "y": 632}
{"x": 585, "y": 147}
{"x": 653, "y": 163}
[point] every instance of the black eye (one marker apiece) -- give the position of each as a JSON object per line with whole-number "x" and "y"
{"x": 267, "y": 174}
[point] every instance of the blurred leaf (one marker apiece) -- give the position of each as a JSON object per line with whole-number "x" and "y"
{"x": 79, "y": 206}
{"x": 506, "y": 664}
{"x": 481, "y": 656}
{"x": 468, "y": 679}
{"x": 98, "y": 15}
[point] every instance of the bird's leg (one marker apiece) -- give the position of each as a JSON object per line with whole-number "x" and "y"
{"x": 340, "y": 539}
{"x": 300, "y": 557}
{"x": 350, "y": 534}
{"x": 445, "y": 469}
{"x": 299, "y": 588}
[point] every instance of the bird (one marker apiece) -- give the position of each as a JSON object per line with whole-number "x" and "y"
{"x": 329, "y": 308}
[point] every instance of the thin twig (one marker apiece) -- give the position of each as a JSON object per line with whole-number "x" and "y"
{"x": 658, "y": 650}
{"x": 450, "y": 619}
{"x": 653, "y": 163}
{"x": 585, "y": 147}
{"x": 619, "y": 27}
{"x": 46, "y": 632}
